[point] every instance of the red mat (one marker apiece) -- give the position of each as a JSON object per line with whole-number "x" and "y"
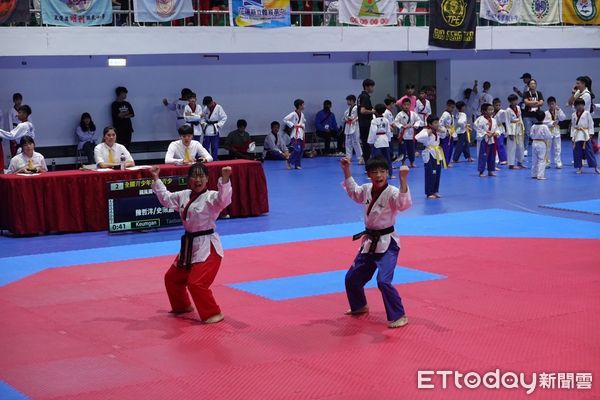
{"x": 102, "y": 332}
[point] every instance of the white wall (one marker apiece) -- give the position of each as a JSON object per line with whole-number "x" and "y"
{"x": 258, "y": 93}
{"x": 555, "y": 76}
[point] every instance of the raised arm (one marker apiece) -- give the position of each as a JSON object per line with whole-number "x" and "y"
{"x": 401, "y": 199}
{"x": 356, "y": 193}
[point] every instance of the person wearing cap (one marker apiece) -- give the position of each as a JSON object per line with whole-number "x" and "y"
{"x": 526, "y": 77}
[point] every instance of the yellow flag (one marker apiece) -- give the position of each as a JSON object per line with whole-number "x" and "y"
{"x": 581, "y": 12}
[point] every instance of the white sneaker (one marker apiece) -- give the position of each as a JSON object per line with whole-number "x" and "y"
{"x": 400, "y": 322}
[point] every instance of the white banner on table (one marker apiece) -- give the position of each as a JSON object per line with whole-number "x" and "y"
{"x": 368, "y": 12}
{"x": 161, "y": 10}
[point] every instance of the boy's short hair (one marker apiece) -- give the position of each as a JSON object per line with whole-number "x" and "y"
{"x": 351, "y": 97}
{"x": 17, "y": 96}
{"x": 423, "y": 90}
{"x": 368, "y": 82}
{"x": 185, "y": 130}
{"x": 389, "y": 101}
{"x": 406, "y": 100}
{"x": 121, "y": 89}
{"x": 486, "y": 85}
{"x": 579, "y": 101}
{"x": 551, "y": 99}
{"x": 327, "y": 102}
{"x": 26, "y": 140}
{"x": 241, "y": 123}
{"x": 191, "y": 95}
{"x": 273, "y": 123}
{"x": 460, "y": 105}
{"x": 432, "y": 118}
{"x": 513, "y": 97}
{"x": 484, "y": 107}
{"x": 380, "y": 108}
{"x": 185, "y": 92}
{"x": 376, "y": 163}
{"x": 540, "y": 115}
{"x": 450, "y": 102}
{"x": 206, "y": 100}
{"x": 409, "y": 86}
{"x": 467, "y": 92}
{"x": 496, "y": 100}
{"x": 298, "y": 103}
{"x": 25, "y": 108}
{"x": 198, "y": 169}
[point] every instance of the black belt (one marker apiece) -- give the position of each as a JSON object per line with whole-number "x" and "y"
{"x": 374, "y": 235}
{"x": 209, "y": 123}
{"x": 186, "y": 249}
{"x": 180, "y": 118}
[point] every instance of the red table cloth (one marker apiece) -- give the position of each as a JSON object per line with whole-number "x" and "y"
{"x": 76, "y": 201}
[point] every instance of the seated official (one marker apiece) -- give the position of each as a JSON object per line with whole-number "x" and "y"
{"x": 28, "y": 161}
{"x": 186, "y": 150}
{"x": 274, "y": 146}
{"x": 238, "y": 142}
{"x": 108, "y": 153}
{"x": 86, "y": 136}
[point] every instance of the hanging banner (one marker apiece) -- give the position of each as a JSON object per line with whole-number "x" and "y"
{"x": 501, "y": 11}
{"x": 76, "y": 12}
{"x": 368, "y": 12}
{"x": 14, "y": 11}
{"x": 260, "y": 13}
{"x": 540, "y": 12}
{"x": 452, "y": 24}
{"x": 581, "y": 12}
{"x": 161, "y": 10}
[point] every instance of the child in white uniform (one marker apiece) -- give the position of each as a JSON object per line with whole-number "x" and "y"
{"x": 351, "y": 129}
{"x": 539, "y": 134}
{"x": 582, "y": 129}
{"x": 380, "y": 136}
{"x": 554, "y": 115}
{"x": 515, "y": 144}
{"x": 433, "y": 156}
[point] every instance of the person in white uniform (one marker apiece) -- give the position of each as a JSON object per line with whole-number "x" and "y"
{"x": 380, "y": 244}
{"x": 178, "y": 106}
{"x": 186, "y": 150}
{"x": 28, "y": 161}
{"x": 515, "y": 134}
{"x": 554, "y": 115}
{"x": 540, "y": 135}
{"x": 192, "y": 115}
{"x": 582, "y": 129}
{"x": 213, "y": 119}
{"x": 109, "y": 153}
{"x": 197, "y": 264}
{"x": 433, "y": 155}
{"x": 351, "y": 131}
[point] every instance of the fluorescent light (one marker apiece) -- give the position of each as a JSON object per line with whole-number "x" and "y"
{"x": 117, "y": 62}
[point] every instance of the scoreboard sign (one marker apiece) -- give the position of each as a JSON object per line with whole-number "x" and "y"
{"x": 133, "y": 206}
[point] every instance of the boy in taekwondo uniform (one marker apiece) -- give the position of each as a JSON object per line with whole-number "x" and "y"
{"x": 582, "y": 129}
{"x": 423, "y": 107}
{"x": 296, "y": 122}
{"x": 515, "y": 129}
{"x": 351, "y": 129}
{"x": 447, "y": 123}
{"x": 380, "y": 245}
{"x": 380, "y": 136}
{"x": 406, "y": 121}
{"x": 186, "y": 150}
{"x": 179, "y": 106}
{"x": 201, "y": 252}
{"x": 463, "y": 132}
{"x": 433, "y": 155}
{"x": 540, "y": 135}
{"x": 554, "y": 115}
{"x": 192, "y": 115}
{"x": 213, "y": 119}
{"x": 487, "y": 134}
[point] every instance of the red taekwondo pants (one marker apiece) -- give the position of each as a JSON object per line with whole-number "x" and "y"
{"x": 197, "y": 280}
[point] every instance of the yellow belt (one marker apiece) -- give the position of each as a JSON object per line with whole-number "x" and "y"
{"x": 439, "y": 153}
{"x": 522, "y": 131}
{"x": 468, "y": 133}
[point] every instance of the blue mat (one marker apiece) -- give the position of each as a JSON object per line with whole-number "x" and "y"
{"x": 478, "y": 223}
{"x": 7, "y": 392}
{"x": 585, "y": 206}
{"x": 293, "y": 287}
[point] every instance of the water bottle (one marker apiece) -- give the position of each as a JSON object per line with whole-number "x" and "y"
{"x": 122, "y": 161}
{"x": 53, "y": 165}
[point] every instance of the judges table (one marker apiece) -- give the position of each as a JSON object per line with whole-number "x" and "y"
{"x": 76, "y": 201}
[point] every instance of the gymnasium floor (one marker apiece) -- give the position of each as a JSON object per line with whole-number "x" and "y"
{"x": 500, "y": 274}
